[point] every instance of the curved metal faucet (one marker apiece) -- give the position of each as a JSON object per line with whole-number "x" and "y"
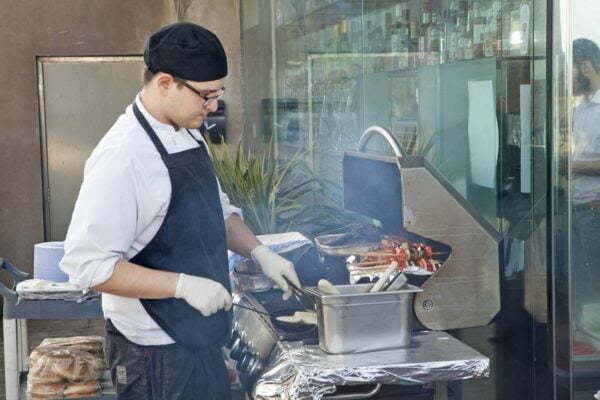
{"x": 374, "y": 130}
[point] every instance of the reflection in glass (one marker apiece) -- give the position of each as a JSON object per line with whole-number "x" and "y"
{"x": 585, "y": 204}
{"x": 461, "y": 83}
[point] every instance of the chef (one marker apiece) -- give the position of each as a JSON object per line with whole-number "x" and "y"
{"x": 151, "y": 228}
{"x": 585, "y": 178}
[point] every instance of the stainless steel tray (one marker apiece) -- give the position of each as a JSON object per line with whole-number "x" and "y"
{"x": 247, "y": 267}
{"x": 250, "y": 282}
{"x": 357, "y": 321}
{"x": 342, "y": 251}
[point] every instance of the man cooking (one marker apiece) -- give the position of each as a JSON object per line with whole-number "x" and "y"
{"x": 151, "y": 229}
{"x": 585, "y": 180}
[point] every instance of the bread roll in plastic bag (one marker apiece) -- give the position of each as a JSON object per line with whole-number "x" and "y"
{"x": 66, "y": 364}
{"x": 63, "y": 390}
{"x": 92, "y": 344}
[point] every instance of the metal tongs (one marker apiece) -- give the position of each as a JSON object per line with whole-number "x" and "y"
{"x": 396, "y": 281}
{"x": 251, "y": 309}
{"x": 392, "y": 278}
{"x": 305, "y": 299}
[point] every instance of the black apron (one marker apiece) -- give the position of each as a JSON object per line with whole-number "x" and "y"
{"x": 191, "y": 240}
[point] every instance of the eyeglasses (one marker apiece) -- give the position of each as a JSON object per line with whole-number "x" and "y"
{"x": 208, "y": 98}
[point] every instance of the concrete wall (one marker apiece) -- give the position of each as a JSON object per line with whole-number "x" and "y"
{"x": 32, "y": 28}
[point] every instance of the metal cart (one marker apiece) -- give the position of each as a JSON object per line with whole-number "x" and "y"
{"x": 17, "y": 311}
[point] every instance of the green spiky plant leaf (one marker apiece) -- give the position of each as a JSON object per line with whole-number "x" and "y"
{"x": 277, "y": 196}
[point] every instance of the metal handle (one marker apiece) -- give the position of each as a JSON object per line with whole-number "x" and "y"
{"x": 376, "y": 129}
{"x": 251, "y": 309}
{"x": 17, "y": 275}
{"x": 305, "y": 299}
{"x": 356, "y": 396}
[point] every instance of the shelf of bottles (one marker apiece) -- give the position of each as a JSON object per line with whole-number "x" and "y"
{"x": 428, "y": 32}
{"x": 351, "y": 64}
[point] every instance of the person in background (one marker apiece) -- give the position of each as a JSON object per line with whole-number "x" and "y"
{"x": 151, "y": 228}
{"x": 585, "y": 179}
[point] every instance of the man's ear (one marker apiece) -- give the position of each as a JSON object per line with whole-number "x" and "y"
{"x": 163, "y": 82}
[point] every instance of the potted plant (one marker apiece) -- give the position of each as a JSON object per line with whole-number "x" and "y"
{"x": 277, "y": 196}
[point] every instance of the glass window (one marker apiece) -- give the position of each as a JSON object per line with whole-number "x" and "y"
{"x": 576, "y": 192}
{"x": 462, "y": 83}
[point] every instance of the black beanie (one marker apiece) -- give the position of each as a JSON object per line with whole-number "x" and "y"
{"x": 187, "y": 51}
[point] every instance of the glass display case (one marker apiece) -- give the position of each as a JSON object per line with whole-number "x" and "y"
{"x": 461, "y": 82}
{"x": 448, "y": 78}
{"x": 575, "y": 193}
{"x": 469, "y": 85}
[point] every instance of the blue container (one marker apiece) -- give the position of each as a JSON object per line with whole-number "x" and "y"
{"x": 46, "y": 261}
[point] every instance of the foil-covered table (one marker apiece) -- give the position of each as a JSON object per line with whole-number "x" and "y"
{"x": 299, "y": 371}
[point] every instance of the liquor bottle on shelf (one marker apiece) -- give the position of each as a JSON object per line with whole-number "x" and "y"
{"x": 496, "y": 24}
{"x": 400, "y": 36}
{"x": 395, "y": 31}
{"x": 465, "y": 40}
{"x": 463, "y": 7}
{"x": 435, "y": 46}
{"x": 323, "y": 39}
{"x": 489, "y": 41}
{"x": 413, "y": 44}
{"x": 278, "y": 14}
{"x": 388, "y": 31}
{"x": 406, "y": 40}
{"x": 452, "y": 35}
{"x": 334, "y": 40}
{"x": 354, "y": 36}
{"x": 519, "y": 33}
{"x": 450, "y": 31}
{"x": 515, "y": 29}
{"x": 516, "y": 18}
{"x": 380, "y": 31}
{"x": 423, "y": 31}
{"x": 368, "y": 46}
{"x": 478, "y": 30}
{"x": 453, "y": 11}
{"x": 375, "y": 34}
{"x": 344, "y": 45}
{"x": 525, "y": 26}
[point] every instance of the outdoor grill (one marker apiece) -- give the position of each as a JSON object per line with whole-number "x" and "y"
{"x": 463, "y": 292}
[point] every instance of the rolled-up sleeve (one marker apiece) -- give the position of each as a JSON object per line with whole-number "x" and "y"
{"x": 226, "y": 205}
{"x": 103, "y": 224}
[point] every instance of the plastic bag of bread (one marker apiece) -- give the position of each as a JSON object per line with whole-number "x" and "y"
{"x": 92, "y": 344}
{"x": 92, "y": 341}
{"x": 62, "y": 390}
{"x": 82, "y": 389}
{"x": 66, "y": 365}
{"x": 45, "y": 390}
{"x": 43, "y": 373}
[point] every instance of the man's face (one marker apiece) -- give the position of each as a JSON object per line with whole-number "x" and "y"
{"x": 581, "y": 83}
{"x": 188, "y": 108}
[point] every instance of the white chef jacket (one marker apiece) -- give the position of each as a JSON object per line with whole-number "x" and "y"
{"x": 586, "y": 147}
{"x": 123, "y": 201}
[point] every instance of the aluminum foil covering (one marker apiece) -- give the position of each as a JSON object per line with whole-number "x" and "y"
{"x": 372, "y": 273}
{"x": 299, "y": 371}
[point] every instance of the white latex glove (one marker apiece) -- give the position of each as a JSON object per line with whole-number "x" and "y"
{"x": 276, "y": 267}
{"x": 205, "y": 295}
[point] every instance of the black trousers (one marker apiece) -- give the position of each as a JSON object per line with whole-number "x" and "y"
{"x": 167, "y": 372}
{"x": 585, "y": 258}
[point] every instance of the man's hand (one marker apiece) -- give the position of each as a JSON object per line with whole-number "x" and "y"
{"x": 276, "y": 267}
{"x": 205, "y": 295}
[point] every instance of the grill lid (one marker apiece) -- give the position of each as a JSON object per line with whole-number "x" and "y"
{"x": 413, "y": 200}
